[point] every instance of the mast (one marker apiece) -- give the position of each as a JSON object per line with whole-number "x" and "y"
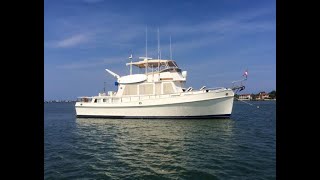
{"x": 170, "y": 49}
{"x": 146, "y": 41}
{"x": 130, "y": 63}
{"x": 146, "y": 49}
{"x": 158, "y": 51}
{"x": 158, "y": 45}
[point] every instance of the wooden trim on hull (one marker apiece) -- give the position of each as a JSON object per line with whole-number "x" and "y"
{"x": 223, "y": 116}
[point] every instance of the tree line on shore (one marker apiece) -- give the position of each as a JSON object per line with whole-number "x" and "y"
{"x": 260, "y": 95}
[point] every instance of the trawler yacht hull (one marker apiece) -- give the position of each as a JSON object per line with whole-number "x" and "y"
{"x": 182, "y": 106}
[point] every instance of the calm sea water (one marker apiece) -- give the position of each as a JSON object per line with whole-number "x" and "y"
{"x": 243, "y": 147}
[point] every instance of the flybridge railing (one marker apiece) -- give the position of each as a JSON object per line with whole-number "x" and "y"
{"x": 115, "y": 99}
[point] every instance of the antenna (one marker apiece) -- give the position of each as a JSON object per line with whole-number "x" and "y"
{"x": 146, "y": 41}
{"x": 158, "y": 45}
{"x": 130, "y": 63}
{"x": 170, "y": 49}
{"x": 146, "y": 59}
{"x": 159, "y": 50}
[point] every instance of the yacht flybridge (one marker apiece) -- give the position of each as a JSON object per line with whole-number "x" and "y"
{"x": 159, "y": 92}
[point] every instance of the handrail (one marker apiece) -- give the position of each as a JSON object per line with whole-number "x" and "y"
{"x": 216, "y": 88}
{"x": 158, "y": 96}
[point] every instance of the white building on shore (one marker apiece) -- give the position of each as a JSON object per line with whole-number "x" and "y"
{"x": 245, "y": 97}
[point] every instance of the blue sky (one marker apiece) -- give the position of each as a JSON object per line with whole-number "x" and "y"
{"x": 215, "y": 41}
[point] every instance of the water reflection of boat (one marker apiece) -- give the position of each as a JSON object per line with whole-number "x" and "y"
{"x": 147, "y": 142}
{"x": 172, "y": 129}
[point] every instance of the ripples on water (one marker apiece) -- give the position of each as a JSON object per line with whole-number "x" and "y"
{"x": 242, "y": 147}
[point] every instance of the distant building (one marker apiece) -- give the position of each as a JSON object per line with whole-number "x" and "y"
{"x": 245, "y": 97}
{"x": 262, "y": 95}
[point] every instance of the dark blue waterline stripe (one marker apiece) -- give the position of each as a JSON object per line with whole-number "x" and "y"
{"x": 156, "y": 117}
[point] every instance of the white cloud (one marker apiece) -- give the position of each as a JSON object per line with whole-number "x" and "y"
{"x": 202, "y": 34}
{"x": 184, "y": 36}
{"x": 72, "y": 41}
{"x": 91, "y": 63}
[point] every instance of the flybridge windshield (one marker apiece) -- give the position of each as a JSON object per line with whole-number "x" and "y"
{"x": 169, "y": 66}
{"x": 154, "y": 63}
{"x": 171, "y": 70}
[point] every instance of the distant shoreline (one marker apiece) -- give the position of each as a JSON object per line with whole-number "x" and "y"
{"x": 255, "y": 99}
{"x": 67, "y": 101}
{"x": 60, "y": 101}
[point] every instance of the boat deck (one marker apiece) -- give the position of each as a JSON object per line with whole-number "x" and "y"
{"x": 130, "y": 98}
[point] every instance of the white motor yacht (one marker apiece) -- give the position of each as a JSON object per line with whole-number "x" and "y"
{"x": 159, "y": 92}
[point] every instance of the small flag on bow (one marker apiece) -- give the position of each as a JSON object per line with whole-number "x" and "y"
{"x": 245, "y": 73}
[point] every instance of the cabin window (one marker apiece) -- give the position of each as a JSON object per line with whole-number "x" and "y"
{"x": 104, "y": 100}
{"x": 145, "y": 89}
{"x": 158, "y": 88}
{"x": 130, "y": 89}
{"x": 172, "y": 70}
{"x": 85, "y": 100}
{"x": 167, "y": 88}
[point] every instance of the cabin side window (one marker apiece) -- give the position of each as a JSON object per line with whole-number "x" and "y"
{"x": 145, "y": 89}
{"x": 167, "y": 88}
{"x": 157, "y": 88}
{"x": 130, "y": 89}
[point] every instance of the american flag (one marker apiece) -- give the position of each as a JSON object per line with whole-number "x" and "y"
{"x": 245, "y": 73}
